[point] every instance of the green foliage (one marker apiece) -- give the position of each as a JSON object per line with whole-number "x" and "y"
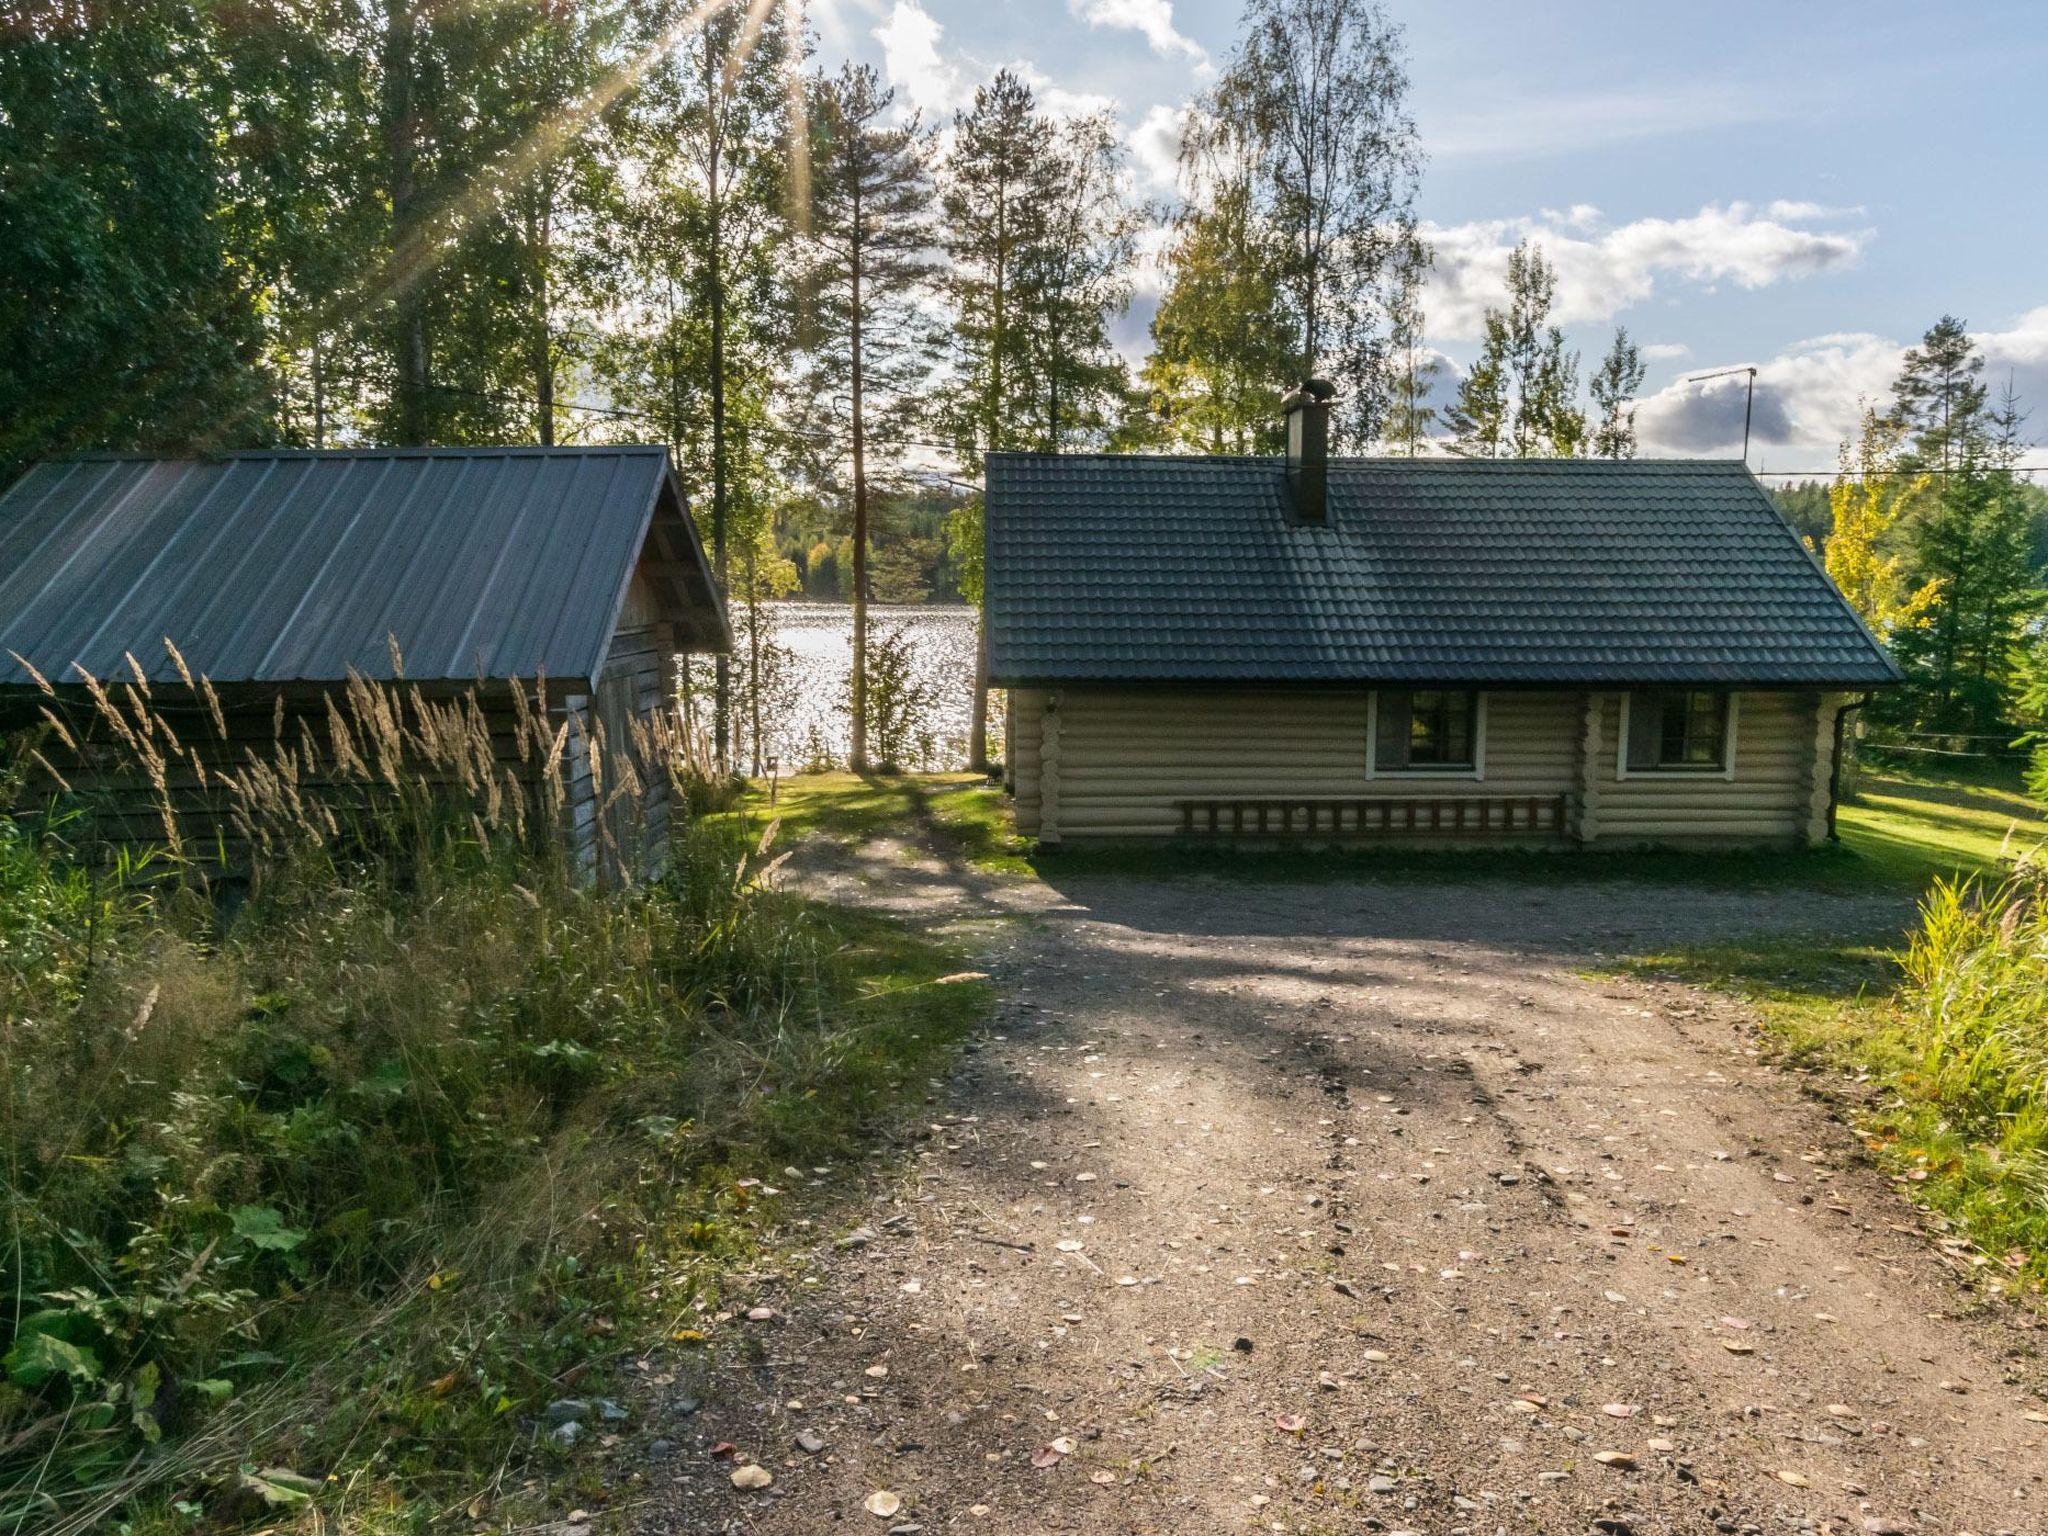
{"x": 128, "y": 322}
{"x": 1311, "y": 109}
{"x": 346, "y": 1182}
{"x": 1967, "y": 529}
{"x": 1222, "y": 344}
{"x": 901, "y": 703}
{"x": 1944, "y": 1048}
{"x": 1520, "y": 399}
{"x": 1615, "y": 384}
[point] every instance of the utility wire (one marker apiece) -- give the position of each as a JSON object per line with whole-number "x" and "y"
{"x": 1867, "y": 474}
{"x": 652, "y": 418}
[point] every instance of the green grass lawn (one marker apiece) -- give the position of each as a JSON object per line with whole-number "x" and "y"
{"x": 1901, "y": 833}
{"x": 960, "y": 812}
{"x": 1914, "y": 830}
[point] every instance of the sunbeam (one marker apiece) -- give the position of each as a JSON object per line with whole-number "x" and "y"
{"x": 408, "y": 266}
{"x": 793, "y": 20}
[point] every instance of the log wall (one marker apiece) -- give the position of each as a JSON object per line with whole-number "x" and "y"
{"x": 1102, "y": 763}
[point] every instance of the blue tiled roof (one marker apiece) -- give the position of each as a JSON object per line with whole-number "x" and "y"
{"x": 1141, "y": 569}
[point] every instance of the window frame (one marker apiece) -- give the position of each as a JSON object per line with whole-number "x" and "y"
{"x": 1731, "y": 706}
{"x": 1474, "y": 771}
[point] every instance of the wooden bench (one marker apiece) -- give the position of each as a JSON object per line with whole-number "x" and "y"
{"x": 1376, "y": 816}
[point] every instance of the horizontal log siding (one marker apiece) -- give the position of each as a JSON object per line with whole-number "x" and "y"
{"x": 1767, "y": 801}
{"x": 1027, "y": 708}
{"x": 1126, "y": 757}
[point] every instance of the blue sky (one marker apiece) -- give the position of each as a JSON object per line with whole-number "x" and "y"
{"x": 1801, "y": 186}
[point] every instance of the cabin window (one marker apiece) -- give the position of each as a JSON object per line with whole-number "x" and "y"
{"x": 1427, "y": 730}
{"x": 1678, "y": 731}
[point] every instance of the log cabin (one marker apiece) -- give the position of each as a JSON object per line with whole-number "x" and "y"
{"x": 1565, "y": 652}
{"x": 572, "y": 574}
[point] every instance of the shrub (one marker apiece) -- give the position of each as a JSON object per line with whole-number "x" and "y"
{"x": 353, "y": 1174}
{"x": 901, "y": 703}
{"x": 1976, "y": 979}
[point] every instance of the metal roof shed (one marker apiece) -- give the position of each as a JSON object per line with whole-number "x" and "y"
{"x": 279, "y": 575}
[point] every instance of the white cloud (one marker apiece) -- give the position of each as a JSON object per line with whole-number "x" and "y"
{"x": 1810, "y": 396}
{"x": 1152, "y": 19}
{"x": 1665, "y": 351}
{"x": 1155, "y": 148}
{"x": 1604, "y": 270}
{"x": 938, "y": 81}
{"x": 912, "y": 63}
{"x": 1052, "y": 97}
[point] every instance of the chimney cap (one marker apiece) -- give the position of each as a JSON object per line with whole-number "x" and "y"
{"x": 1309, "y": 392}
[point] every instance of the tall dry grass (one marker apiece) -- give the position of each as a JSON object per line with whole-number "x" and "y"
{"x": 350, "y": 1175}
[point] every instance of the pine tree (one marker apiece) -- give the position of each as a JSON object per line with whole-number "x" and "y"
{"x": 1969, "y": 536}
{"x": 1614, "y": 393}
{"x": 1077, "y": 275}
{"x": 699, "y": 332}
{"x": 994, "y": 186}
{"x": 871, "y": 205}
{"x": 1479, "y": 418}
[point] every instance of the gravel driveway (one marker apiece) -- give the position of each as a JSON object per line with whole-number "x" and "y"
{"x": 1336, "y": 1208}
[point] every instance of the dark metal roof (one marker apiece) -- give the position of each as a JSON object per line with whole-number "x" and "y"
{"x": 296, "y": 566}
{"x": 1141, "y": 569}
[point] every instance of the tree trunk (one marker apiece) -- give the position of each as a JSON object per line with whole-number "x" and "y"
{"x": 539, "y": 238}
{"x": 977, "y": 726}
{"x": 858, "y": 756}
{"x": 319, "y": 393}
{"x": 715, "y": 209}
{"x": 411, "y": 413}
{"x": 753, "y": 659}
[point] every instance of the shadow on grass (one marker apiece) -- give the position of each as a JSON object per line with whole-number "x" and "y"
{"x": 1900, "y": 838}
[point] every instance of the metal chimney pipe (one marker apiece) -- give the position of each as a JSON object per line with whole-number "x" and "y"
{"x": 1308, "y": 452}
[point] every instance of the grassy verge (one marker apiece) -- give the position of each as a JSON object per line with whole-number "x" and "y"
{"x": 961, "y": 810}
{"x": 1902, "y": 833}
{"x": 1956, "y": 1118}
{"x": 314, "y": 1209}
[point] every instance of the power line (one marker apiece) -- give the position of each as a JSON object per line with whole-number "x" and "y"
{"x": 1868, "y": 474}
{"x": 652, "y": 418}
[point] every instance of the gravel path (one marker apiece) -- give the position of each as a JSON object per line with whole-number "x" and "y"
{"x": 1336, "y": 1208}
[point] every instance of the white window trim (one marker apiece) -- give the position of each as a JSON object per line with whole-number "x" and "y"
{"x": 1476, "y": 773}
{"x": 1725, "y": 771}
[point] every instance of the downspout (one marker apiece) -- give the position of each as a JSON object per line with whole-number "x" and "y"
{"x": 1835, "y": 766}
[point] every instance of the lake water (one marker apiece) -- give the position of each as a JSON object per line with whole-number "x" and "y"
{"x": 811, "y": 719}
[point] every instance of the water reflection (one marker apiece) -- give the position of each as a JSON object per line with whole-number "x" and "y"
{"x": 808, "y": 721}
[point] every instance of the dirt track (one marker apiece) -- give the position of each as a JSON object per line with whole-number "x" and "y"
{"x": 1334, "y": 1208}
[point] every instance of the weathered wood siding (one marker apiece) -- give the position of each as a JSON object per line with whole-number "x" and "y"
{"x": 635, "y": 686}
{"x": 1096, "y": 763}
{"x": 123, "y": 806}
